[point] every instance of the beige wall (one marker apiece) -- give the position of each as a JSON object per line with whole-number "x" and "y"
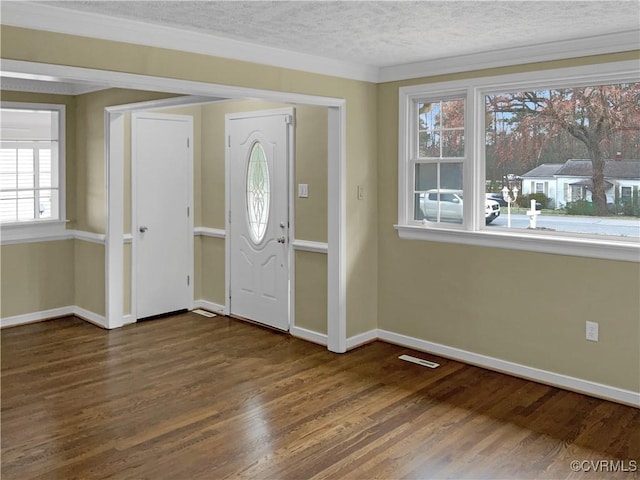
{"x": 53, "y": 48}
{"x": 212, "y": 265}
{"x": 89, "y": 265}
{"x": 90, "y": 165}
{"x": 311, "y": 291}
{"x": 126, "y": 283}
{"x": 36, "y": 276}
{"x": 478, "y": 299}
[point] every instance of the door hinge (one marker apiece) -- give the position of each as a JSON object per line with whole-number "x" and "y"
{"x": 188, "y": 211}
{"x": 229, "y": 141}
{"x": 288, "y": 119}
{"x": 187, "y": 142}
{"x": 229, "y": 216}
{"x": 188, "y": 280}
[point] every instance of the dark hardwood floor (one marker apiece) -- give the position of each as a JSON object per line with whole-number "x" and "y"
{"x": 190, "y": 397}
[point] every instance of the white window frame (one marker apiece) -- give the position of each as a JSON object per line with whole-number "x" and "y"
{"x": 473, "y": 231}
{"x": 416, "y": 159}
{"x": 42, "y": 229}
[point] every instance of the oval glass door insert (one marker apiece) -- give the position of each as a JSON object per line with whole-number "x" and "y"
{"x": 258, "y": 193}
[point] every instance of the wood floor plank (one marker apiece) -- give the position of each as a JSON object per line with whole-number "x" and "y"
{"x": 191, "y": 397}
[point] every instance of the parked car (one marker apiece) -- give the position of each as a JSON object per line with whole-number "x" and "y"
{"x": 451, "y": 203}
{"x": 497, "y": 197}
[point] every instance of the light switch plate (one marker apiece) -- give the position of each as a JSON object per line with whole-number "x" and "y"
{"x": 303, "y": 190}
{"x": 592, "y": 331}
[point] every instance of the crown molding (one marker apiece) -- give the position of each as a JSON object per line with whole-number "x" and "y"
{"x": 582, "y": 47}
{"x": 16, "y": 84}
{"x": 55, "y": 19}
{"x": 60, "y": 20}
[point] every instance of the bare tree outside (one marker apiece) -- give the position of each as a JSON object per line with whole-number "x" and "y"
{"x": 527, "y": 129}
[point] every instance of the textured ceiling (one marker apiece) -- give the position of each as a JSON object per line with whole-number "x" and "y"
{"x": 382, "y": 33}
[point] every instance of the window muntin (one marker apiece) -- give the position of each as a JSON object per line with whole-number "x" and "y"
{"x": 30, "y": 160}
{"x": 441, "y": 128}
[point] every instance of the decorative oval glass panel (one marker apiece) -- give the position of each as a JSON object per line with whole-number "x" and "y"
{"x": 258, "y": 193}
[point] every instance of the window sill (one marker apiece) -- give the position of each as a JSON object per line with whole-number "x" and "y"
{"x": 610, "y": 249}
{"x": 41, "y": 231}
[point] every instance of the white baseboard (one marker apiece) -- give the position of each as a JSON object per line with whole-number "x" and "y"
{"x": 566, "y": 382}
{"x": 212, "y": 307}
{"x": 361, "y": 339}
{"x": 87, "y": 315}
{"x": 36, "y": 316}
{"x": 309, "y": 335}
{"x": 91, "y": 317}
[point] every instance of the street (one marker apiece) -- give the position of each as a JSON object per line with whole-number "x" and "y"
{"x": 626, "y": 227}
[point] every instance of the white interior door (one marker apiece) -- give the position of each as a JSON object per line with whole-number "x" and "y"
{"x": 258, "y": 155}
{"x": 162, "y": 227}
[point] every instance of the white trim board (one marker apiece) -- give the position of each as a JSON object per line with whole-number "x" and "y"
{"x": 209, "y": 232}
{"x": 36, "y": 317}
{"x": 322, "y": 338}
{"x": 310, "y": 246}
{"x": 211, "y": 306}
{"x": 90, "y": 237}
{"x": 559, "y": 380}
{"x": 362, "y": 339}
{"x": 566, "y": 49}
{"x": 54, "y": 19}
{"x": 44, "y": 236}
{"x": 308, "y": 335}
{"x": 52, "y": 314}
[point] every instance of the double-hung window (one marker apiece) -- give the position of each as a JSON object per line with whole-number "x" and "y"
{"x": 437, "y": 160}
{"x": 31, "y": 165}
{"x": 543, "y": 161}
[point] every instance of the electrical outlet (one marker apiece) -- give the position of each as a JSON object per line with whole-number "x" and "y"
{"x": 592, "y": 331}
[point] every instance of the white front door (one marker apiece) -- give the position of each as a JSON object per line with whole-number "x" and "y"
{"x": 162, "y": 166}
{"x": 258, "y": 156}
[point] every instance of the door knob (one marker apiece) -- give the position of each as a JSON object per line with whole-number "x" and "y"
{"x": 281, "y": 240}
{"x": 143, "y": 229}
